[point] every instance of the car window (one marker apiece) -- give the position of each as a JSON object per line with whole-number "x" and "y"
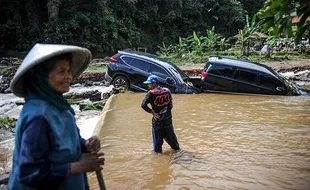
{"x": 143, "y": 65}
{"x": 267, "y": 81}
{"x": 211, "y": 69}
{"x": 225, "y": 70}
{"x": 126, "y": 59}
{"x": 246, "y": 76}
{"x": 176, "y": 68}
{"x": 206, "y": 65}
{"x": 158, "y": 71}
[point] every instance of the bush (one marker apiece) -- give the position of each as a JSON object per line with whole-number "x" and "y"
{"x": 7, "y": 123}
{"x": 192, "y": 59}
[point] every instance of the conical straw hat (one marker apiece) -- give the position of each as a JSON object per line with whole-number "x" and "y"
{"x": 41, "y": 52}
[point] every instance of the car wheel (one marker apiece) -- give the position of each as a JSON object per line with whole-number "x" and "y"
{"x": 121, "y": 81}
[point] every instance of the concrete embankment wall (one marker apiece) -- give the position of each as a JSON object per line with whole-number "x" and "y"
{"x": 101, "y": 120}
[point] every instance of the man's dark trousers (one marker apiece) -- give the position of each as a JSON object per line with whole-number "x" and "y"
{"x": 163, "y": 129}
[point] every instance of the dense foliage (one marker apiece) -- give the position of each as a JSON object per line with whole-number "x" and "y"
{"x": 105, "y": 26}
{"x": 278, "y": 15}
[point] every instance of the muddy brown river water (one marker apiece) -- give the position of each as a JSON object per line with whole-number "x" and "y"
{"x": 227, "y": 141}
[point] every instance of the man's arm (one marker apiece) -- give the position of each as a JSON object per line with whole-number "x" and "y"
{"x": 145, "y": 103}
{"x": 170, "y": 103}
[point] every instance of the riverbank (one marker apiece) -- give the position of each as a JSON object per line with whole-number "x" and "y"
{"x": 296, "y": 70}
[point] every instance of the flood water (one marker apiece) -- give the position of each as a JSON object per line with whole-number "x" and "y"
{"x": 227, "y": 141}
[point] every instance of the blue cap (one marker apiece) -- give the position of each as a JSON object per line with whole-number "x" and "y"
{"x": 151, "y": 79}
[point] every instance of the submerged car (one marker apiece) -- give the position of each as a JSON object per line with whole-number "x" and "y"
{"x": 129, "y": 69}
{"x": 227, "y": 75}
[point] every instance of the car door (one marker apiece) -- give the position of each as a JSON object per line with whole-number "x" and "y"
{"x": 138, "y": 73}
{"x": 163, "y": 75}
{"x": 270, "y": 85}
{"x": 246, "y": 81}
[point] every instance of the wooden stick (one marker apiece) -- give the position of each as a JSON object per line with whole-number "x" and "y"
{"x": 100, "y": 180}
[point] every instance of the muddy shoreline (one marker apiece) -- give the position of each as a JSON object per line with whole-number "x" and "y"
{"x": 88, "y": 77}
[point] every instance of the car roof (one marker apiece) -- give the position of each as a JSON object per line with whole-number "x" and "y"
{"x": 148, "y": 56}
{"x": 171, "y": 67}
{"x": 242, "y": 64}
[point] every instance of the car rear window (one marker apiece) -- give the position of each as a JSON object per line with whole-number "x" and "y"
{"x": 212, "y": 69}
{"x": 207, "y": 65}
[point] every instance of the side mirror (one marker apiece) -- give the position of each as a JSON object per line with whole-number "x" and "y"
{"x": 280, "y": 89}
{"x": 169, "y": 80}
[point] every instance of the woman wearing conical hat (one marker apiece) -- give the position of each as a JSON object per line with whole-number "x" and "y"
{"x": 49, "y": 152}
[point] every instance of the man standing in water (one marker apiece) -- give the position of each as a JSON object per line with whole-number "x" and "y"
{"x": 161, "y": 102}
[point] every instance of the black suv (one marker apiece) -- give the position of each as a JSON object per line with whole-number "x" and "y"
{"x": 129, "y": 69}
{"x": 222, "y": 74}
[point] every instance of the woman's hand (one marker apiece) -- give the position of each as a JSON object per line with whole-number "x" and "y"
{"x": 89, "y": 162}
{"x": 92, "y": 144}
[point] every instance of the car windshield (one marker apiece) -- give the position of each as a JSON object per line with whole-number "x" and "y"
{"x": 177, "y": 74}
{"x": 278, "y": 74}
{"x": 177, "y": 70}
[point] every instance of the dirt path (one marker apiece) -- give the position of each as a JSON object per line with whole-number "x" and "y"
{"x": 289, "y": 65}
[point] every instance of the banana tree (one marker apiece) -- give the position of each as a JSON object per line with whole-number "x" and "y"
{"x": 223, "y": 43}
{"x": 166, "y": 50}
{"x": 243, "y": 39}
{"x": 187, "y": 43}
{"x": 197, "y": 44}
{"x": 194, "y": 43}
{"x": 212, "y": 39}
{"x": 245, "y": 34}
{"x": 182, "y": 46}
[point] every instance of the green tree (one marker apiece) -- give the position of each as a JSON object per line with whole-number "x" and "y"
{"x": 226, "y": 15}
{"x": 278, "y": 16}
{"x": 105, "y": 26}
{"x": 252, "y": 6}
